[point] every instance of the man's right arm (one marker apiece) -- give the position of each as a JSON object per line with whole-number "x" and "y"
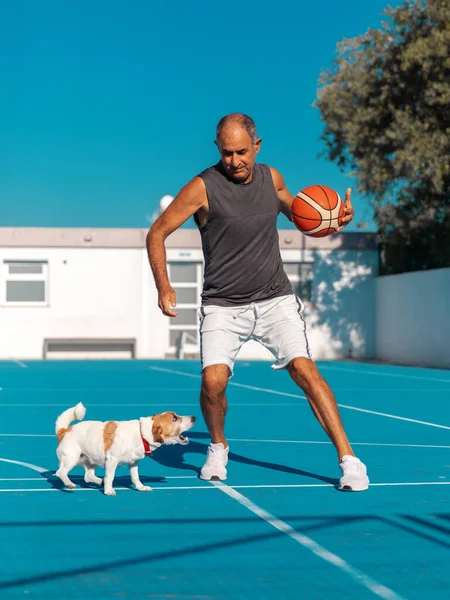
{"x": 188, "y": 201}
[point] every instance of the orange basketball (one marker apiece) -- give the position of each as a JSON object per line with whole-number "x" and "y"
{"x": 317, "y": 211}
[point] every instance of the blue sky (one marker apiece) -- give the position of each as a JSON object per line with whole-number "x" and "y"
{"x": 106, "y": 106}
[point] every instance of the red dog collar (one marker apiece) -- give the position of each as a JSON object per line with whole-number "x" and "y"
{"x": 147, "y": 449}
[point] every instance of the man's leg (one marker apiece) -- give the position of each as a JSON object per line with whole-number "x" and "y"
{"x": 213, "y": 401}
{"x": 322, "y": 401}
{"x": 223, "y": 330}
{"x": 214, "y": 407}
{"x": 281, "y": 328}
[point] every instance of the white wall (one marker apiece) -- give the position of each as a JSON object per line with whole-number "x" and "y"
{"x": 413, "y": 321}
{"x": 110, "y": 293}
{"x": 341, "y": 319}
{"x": 92, "y": 293}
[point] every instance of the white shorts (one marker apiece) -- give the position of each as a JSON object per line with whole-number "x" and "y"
{"x": 277, "y": 324}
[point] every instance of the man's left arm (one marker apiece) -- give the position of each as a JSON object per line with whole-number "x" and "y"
{"x": 284, "y": 195}
{"x": 286, "y": 199}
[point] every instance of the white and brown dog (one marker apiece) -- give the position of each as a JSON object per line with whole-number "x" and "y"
{"x": 109, "y": 444}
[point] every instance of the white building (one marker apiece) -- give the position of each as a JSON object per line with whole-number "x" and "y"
{"x": 90, "y": 293}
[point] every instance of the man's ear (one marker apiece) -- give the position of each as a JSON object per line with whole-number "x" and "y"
{"x": 157, "y": 434}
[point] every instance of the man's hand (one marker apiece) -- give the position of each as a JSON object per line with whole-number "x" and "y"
{"x": 348, "y": 210}
{"x": 167, "y": 298}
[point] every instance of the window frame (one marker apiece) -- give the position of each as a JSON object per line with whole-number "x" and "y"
{"x": 197, "y": 285}
{"x": 27, "y": 277}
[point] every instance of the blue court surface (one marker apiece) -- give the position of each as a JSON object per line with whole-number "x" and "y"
{"x": 277, "y": 528}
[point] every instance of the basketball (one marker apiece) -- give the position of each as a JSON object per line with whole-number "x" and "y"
{"x": 317, "y": 211}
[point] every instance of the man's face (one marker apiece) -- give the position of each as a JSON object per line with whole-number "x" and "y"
{"x": 238, "y": 152}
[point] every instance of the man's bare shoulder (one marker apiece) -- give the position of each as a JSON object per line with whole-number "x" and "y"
{"x": 195, "y": 185}
{"x": 192, "y": 193}
{"x": 278, "y": 180}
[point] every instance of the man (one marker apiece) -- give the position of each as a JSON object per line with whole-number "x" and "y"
{"x": 246, "y": 293}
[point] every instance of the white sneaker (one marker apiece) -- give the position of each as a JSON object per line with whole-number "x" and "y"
{"x": 216, "y": 461}
{"x": 354, "y": 475}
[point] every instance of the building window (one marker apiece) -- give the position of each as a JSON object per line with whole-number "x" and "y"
{"x": 186, "y": 280}
{"x": 25, "y": 283}
{"x": 301, "y": 276}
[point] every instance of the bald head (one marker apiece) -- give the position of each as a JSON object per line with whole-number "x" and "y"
{"x": 237, "y": 120}
{"x": 238, "y": 144}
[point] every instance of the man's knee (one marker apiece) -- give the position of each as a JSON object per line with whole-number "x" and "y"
{"x": 215, "y": 380}
{"x": 304, "y": 371}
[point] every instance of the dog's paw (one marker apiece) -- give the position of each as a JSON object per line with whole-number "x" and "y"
{"x": 110, "y": 492}
{"x": 96, "y": 480}
{"x": 144, "y": 488}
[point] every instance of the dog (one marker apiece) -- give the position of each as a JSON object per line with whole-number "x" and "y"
{"x": 109, "y": 444}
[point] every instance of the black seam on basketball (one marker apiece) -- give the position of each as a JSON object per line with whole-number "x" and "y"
{"x": 329, "y": 206}
{"x": 308, "y": 218}
{"x": 326, "y": 196}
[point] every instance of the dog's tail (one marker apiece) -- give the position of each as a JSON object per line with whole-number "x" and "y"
{"x": 76, "y": 413}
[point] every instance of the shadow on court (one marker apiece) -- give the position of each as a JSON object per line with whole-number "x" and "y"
{"x": 176, "y": 457}
{"x": 303, "y": 526}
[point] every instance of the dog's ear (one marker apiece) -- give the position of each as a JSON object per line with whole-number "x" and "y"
{"x": 157, "y": 434}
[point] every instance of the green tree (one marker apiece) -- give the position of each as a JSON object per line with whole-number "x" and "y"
{"x": 385, "y": 103}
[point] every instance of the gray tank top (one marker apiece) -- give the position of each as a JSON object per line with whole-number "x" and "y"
{"x": 240, "y": 240}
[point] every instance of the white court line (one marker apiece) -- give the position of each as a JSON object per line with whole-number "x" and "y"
{"x": 237, "y": 487}
{"x": 358, "y": 576}
{"x": 10, "y": 490}
{"x": 100, "y": 389}
{"x": 177, "y": 389}
{"x": 57, "y": 478}
{"x": 242, "y": 385}
{"x": 23, "y": 479}
{"x": 330, "y": 443}
{"x": 380, "y": 414}
{"x": 27, "y": 435}
{"x": 237, "y": 405}
{"x": 368, "y": 372}
{"x": 65, "y": 404}
{"x": 244, "y": 440}
{"x": 20, "y": 363}
{"x": 372, "y": 412}
{"x": 321, "y": 367}
{"x": 379, "y": 390}
{"x": 24, "y": 464}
